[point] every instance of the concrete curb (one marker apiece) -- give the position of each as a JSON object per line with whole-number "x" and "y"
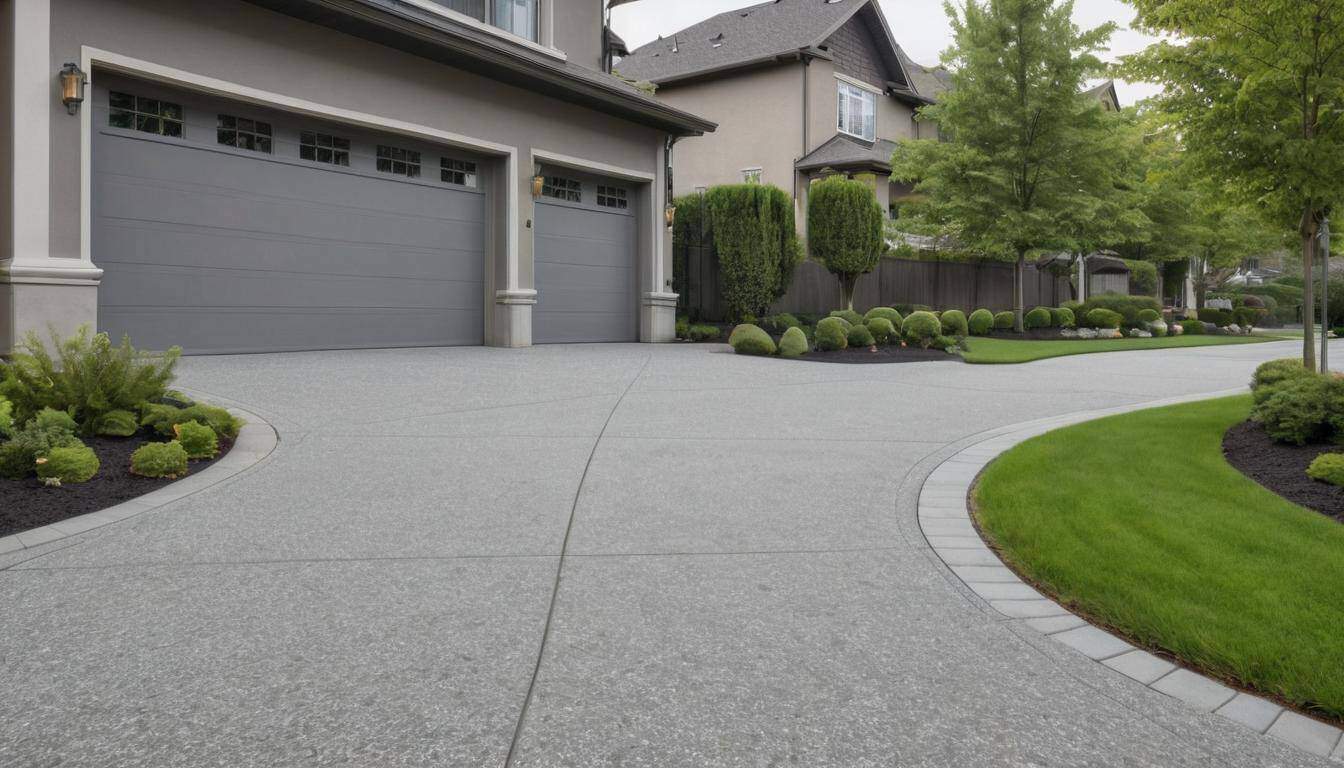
{"x": 256, "y": 440}
{"x": 944, "y": 518}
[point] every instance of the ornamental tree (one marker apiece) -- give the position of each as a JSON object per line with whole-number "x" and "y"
{"x": 1255, "y": 88}
{"x": 844, "y": 230}
{"x": 1028, "y": 163}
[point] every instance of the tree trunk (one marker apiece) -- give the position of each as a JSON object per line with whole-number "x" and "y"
{"x": 1019, "y": 297}
{"x": 1308, "y": 231}
{"x": 847, "y": 289}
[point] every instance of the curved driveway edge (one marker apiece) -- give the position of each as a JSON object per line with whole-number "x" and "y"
{"x": 256, "y": 440}
{"x": 944, "y": 519}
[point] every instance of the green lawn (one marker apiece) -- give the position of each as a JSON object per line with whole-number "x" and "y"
{"x": 983, "y": 350}
{"x": 1139, "y": 522}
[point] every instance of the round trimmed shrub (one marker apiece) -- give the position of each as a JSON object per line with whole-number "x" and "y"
{"x": 748, "y": 339}
{"x": 793, "y": 343}
{"x": 1003, "y": 321}
{"x": 831, "y": 334}
{"x": 52, "y": 420}
{"x": 116, "y": 424}
{"x": 779, "y": 323}
{"x": 1276, "y": 372}
{"x": 1192, "y": 327}
{"x": 72, "y": 464}
{"x": 1158, "y": 328}
{"x": 162, "y": 418}
{"x": 859, "y": 336}
{"x": 1104, "y": 318}
{"x": 882, "y": 330}
{"x": 849, "y": 316}
{"x": 922, "y": 328}
{"x": 1328, "y": 468}
{"x": 891, "y": 315}
{"x": 954, "y": 322}
{"x": 159, "y": 460}
{"x": 1296, "y": 411}
{"x": 944, "y": 343}
{"x": 1037, "y": 318}
{"x": 1148, "y": 315}
{"x": 980, "y": 323}
{"x": 1253, "y": 301}
{"x": 1063, "y": 317}
{"x": 198, "y": 440}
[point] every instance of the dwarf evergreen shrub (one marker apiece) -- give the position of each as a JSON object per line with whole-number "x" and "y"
{"x": 954, "y": 322}
{"x": 1328, "y": 468}
{"x": 160, "y": 460}
{"x": 116, "y": 424}
{"x": 980, "y": 323}
{"x": 832, "y": 334}
{"x": 1037, "y": 318}
{"x": 859, "y": 336}
{"x": 747, "y": 339}
{"x": 793, "y": 343}
{"x": 1003, "y": 321}
{"x": 882, "y": 330}
{"x": 891, "y": 315}
{"x": 921, "y": 328}
{"x": 70, "y": 464}
{"x": 198, "y": 440}
{"x": 1104, "y": 318}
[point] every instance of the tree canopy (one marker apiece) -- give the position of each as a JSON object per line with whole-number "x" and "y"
{"x": 844, "y": 230}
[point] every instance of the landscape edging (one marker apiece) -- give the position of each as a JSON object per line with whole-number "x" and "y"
{"x": 945, "y": 520}
{"x": 256, "y": 440}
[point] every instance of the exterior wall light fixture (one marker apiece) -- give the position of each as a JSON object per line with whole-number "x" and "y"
{"x": 73, "y": 81}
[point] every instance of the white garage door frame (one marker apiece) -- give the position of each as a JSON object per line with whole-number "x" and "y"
{"x": 95, "y": 59}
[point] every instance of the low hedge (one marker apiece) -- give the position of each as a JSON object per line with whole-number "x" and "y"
{"x": 1219, "y": 317}
{"x": 1192, "y": 327}
{"x": 703, "y": 332}
{"x": 1104, "y": 318}
{"x": 1128, "y": 307}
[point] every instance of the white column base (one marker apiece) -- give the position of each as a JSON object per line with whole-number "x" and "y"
{"x": 48, "y": 301}
{"x": 658, "y": 317}
{"x": 513, "y": 318}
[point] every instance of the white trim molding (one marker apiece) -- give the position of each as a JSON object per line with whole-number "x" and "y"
{"x": 592, "y": 166}
{"x": 32, "y": 88}
{"x": 857, "y": 83}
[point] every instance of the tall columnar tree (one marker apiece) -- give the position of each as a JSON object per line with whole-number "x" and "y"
{"x": 1028, "y": 163}
{"x": 844, "y": 230}
{"x": 1256, "y": 90}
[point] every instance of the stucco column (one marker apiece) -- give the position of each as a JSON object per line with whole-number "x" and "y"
{"x": 657, "y": 303}
{"x": 512, "y": 325}
{"x": 38, "y": 289}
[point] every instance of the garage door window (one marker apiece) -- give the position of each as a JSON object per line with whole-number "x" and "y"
{"x": 461, "y": 172}
{"x": 141, "y": 114}
{"x": 402, "y": 162}
{"x": 612, "y": 197}
{"x": 560, "y": 188}
{"x": 244, "y": 133}
{"x": 324, "y": 148}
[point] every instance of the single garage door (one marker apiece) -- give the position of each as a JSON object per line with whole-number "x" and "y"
{"x": 224, "y": 227}
{"x": 585, "y": 256}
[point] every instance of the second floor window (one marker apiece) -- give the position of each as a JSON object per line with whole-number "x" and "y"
{"x": 857, "y": 110}
{"x": 517, "y": 16}
{"x": 751, "y": 176}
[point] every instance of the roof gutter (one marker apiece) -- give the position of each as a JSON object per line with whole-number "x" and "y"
{"x": 425, "y": 34}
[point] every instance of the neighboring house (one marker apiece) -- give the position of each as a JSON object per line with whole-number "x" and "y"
{"x": 316, "y": 174}
{"x": 800, "y": 89}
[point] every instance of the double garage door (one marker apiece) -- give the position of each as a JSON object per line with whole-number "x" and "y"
{"x": 225, "y": 227}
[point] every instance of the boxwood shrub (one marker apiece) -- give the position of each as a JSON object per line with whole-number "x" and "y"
{"x": 882, "y": 330}
{"x": 980, "y": 323}
{"x": 954, "y": 322}
{"x": 849, "y": 316}
{"x": 160, "y": 460}
{"x": 921, "y": 328}
{"x": 747, "y": 339}
{"x": 116, "y": 424}
{"x": 891, "y": 315}
{"x": 1328, "y": 468}
{"x": 1219, "y": 317}
{"x": 1104, "y": 318}
{"x": 1149, "y": 315}
{"x": 704, "y": 332}
{"x": 1038, "y": 318}
{"x": 1297, "y": 410}
{"x": 198, "y": 440}
{"x": 859, "y": 336}
{"x": 1192, "y": 327}
{"x": 1127, "y": 306}
{"x": 793, "y": 343}
{"x": 1063, "y": 317}
{"x": 162, "y": 417}
{"x": 70, "y": 464}
{"x": 1276, "y": 372}
{"x": 831, "y": 334}
{"x": 1003, "y": 321}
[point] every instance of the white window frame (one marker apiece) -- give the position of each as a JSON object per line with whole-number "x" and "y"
{"x": 747, "y": 173}
{"x": 545, "y": 42}
{"x": 848, "y": 88}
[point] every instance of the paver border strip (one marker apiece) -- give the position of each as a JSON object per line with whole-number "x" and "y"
{"x": 945, "y": 521}
{"x": 256, "y": 440}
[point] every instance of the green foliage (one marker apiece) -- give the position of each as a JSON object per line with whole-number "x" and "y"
{"x": 780, "y": 323}
{"x": 1192, "y": 327}
{"x": 1063, "y": 317}
{"x": 849, "y": 316}
{"x": 162, "y": 418}
{"x": 981, "y": 322}
{"x": 882, "y": 330}
{"x": 1128, "y": 307}
{"x": 683, "y": 328}
{"x": 1003, "y": 321}
{"x": 1296, "y": 411}
{"x": 954, "y": 322}
{"x": 1328, "y": 468}
{"x": 922, "y": 328}
{"x": 859, "y": 336}
{"x": 6, "y": 417}
{"x": 844, "y": 230}
{"x": 1104, "y": 318}
{"x": 1275, "y": 372}
{"x": 752, "y": 232}
{"x": 116, "y": 424}
{"x": 52, "y": 420}
{"x": 892, "y": 316}
{"x": 85, "y": 376}
{"x": 1142, "y": 276}
{"x": 747, "y": 339}
{"x": 1148, "y": 315}
{"x": 69, "y": 464}
{"x": 704, "y": 332}
{"x": 198, "y": 440}
{"x": 18, "y": 457}
{"x": 1158, "y": 328}
{"x": 793, "y": 343}
{"x": 832, "y": 334}
{"x": 160, "y": 460}
{"x": 1038, "y": 318}
{"x": 1249, "y": 317}
{"x": 1219, "y": 317}
{"x": 945, "y": 343}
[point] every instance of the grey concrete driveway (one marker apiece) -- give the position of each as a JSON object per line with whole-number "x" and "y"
{"x": 743, "y": 582}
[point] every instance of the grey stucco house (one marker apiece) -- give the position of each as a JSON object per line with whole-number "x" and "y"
{"x": 800, "y": 89}
{"x": 270, "y": 175}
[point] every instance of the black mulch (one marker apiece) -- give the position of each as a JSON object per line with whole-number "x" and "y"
{"x": 1282, "y": 468}
{"x": 27, "y": 503}
{"x": 887, "y": 354}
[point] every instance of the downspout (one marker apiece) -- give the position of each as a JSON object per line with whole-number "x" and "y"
{"x": 807, "y": 63}
{"x": 663, "y": 283}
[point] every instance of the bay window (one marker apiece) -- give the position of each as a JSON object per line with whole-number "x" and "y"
{"x": 857, "y": 110}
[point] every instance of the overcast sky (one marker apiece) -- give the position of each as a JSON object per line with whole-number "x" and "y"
{"x": 920, "y": 26}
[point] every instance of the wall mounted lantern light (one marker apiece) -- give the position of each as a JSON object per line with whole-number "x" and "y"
{"x": 670, "y": 215}
{"x": 73, "y": 81}
{"x": 538, "y": 181}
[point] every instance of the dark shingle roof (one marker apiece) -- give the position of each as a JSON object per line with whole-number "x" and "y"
{"x": 845, "y": 151}
{"x": 736, "y": 38}
{"x": 928, "y": 82}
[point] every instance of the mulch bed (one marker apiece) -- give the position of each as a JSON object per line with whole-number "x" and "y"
{"x": 888, "y": 354}
{"x": 27, "y": 503}
{"x": 1282, "y": 468}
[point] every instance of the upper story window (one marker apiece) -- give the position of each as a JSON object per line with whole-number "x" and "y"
{"x": 324, "y": 148}
{"x": 402, "y": 162}
{"x": 857, "y": 110}
{"x": 141, "y": 114}
{"x": 244, "y": 133}
{"x": 751, "y": 176}
{"x": 519, "y": 17}
{"x": 562, "y": 188}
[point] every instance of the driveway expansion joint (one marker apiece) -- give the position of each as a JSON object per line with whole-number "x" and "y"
{"x": 946, "y": 534}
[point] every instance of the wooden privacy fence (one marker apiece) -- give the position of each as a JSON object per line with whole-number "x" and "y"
{"x": 939, "y": 284}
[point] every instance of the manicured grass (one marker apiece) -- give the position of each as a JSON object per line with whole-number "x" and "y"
{"x": 984, "y": 350}
{"x": 1139, "y": 522}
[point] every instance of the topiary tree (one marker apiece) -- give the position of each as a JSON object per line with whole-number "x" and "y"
{"x": 753, "y": 235}
{"x": 844, "y": 230}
